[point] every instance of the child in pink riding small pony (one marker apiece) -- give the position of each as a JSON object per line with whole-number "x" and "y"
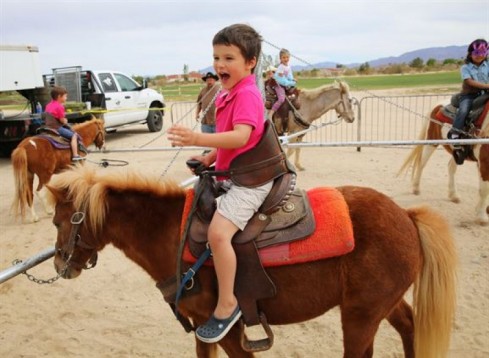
{"x": 56, "y": 119}
{"x": 240, "y": 125}
{"x": 284, "y": 78}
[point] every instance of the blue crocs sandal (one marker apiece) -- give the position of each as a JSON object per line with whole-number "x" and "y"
{"x": 215, "y": 329}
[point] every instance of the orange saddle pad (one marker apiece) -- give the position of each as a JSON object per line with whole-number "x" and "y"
{"x": 333, "y": 235}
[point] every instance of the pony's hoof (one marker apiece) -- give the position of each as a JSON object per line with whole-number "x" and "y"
{"x": 482, "y": 222}
{"x": 455, "y": 200}
{"x": 416, "y": 191}
{"x": 35, "y": 219}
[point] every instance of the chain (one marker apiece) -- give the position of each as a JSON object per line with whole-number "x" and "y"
{"x": 33, "y": 278}
{"x": 170, "y": 163}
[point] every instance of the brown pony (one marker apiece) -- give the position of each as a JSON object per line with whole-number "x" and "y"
{"x": 394, "y": 248}
{"x": 313, "y": 104}
{"x": 37, "y": 156}
{"x": 419, "y": 156}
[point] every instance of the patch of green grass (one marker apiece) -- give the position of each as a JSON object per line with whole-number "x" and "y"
{"x": 388, "y": 81}
{"x": 189, "y": 92}
{"x": 185, "y": 92}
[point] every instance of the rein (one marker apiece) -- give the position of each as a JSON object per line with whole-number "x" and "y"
{"x": 297, "y": 116}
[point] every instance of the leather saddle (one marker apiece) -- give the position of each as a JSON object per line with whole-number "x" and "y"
{"x": 57, "y": 141}
{"x": 285, "y": 216}
{"x": 475, "y": 115}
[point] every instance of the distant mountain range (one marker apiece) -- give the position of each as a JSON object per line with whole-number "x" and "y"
{"x": 438, "y": 53}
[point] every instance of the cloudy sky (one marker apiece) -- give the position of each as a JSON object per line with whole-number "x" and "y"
{"x": 151, "y": 37}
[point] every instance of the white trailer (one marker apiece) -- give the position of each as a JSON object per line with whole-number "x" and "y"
{"x": 20, "y": 68}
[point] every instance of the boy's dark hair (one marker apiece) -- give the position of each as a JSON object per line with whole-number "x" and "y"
{"x": 58, "y": 91}
{"x": 244, "y": 37}
{"x": 471, "y": 48}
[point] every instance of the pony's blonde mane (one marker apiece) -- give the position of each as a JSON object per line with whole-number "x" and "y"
{"x": 89, "y": 189}
{"x": 316, "y": 92}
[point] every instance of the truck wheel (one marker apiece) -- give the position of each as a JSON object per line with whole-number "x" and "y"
{"x": 155, "y": 119}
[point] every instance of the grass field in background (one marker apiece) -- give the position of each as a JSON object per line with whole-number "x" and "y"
{"x": 189, "y": 92}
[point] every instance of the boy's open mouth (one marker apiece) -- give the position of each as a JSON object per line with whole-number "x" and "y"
{"x": 224, "y": 76}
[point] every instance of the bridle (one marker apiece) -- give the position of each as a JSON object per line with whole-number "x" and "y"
{"x": 100, "y": 133}
{"x": 75, "y": 240}
{"x": 342, "y": 103}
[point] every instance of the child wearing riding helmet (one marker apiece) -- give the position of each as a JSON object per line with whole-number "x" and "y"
{"x": 240, "y": 125}
{"x": 475, "y": 77}
{"x": 284, "y": 77}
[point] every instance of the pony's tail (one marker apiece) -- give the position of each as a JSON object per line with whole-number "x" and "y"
{"x": 23, "y": 191}
{"x": 414, "y": 158}
{"x": 434, "y": 290}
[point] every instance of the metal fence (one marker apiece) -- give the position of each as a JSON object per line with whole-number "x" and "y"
{"x": 378, "y": 118}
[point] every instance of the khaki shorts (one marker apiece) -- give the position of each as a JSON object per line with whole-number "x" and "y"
{"x": 239, "y": 203}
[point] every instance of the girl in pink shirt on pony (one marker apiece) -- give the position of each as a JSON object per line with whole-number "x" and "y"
{"x": 239, "y": 127}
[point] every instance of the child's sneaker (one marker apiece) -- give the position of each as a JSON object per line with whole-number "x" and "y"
{"x": 77, "y": 158}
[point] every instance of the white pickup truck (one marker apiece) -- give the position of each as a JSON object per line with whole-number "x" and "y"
{"x": 121, "y": 99}
{"x": 109, "y": 94}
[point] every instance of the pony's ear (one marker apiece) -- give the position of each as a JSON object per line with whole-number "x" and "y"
{"x": 57, "y": 195}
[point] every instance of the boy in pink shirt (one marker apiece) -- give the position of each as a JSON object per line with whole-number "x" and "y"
{"x": 239, "y": 127}
{"x": 56, "y": 119}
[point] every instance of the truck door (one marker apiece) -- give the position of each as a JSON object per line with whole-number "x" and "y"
{"x": 132, "y": 94}
{"x": 114, "y": 100}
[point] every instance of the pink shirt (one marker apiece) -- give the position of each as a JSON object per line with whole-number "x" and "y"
{"x": 56, "y": 109}
{"x": 243, "y": 104}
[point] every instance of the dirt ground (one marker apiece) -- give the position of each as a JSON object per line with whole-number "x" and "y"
{"x": 115, "y": 310}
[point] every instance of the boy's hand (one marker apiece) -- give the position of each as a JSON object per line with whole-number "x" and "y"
{"x": 180, "y": 136}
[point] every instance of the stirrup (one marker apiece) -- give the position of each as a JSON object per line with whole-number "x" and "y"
{"x": 258, "y": 345}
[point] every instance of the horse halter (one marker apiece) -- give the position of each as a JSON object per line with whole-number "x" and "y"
{"x": 100, "y": 133}
{"x": 75, "y": 240}
{"x": 342, "y": 103}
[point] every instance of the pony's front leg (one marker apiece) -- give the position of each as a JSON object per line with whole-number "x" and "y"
{"x": 452, "y": 188}
{"x": 205, "y": 350}
{"x": 297, "y": 159}
{"x": 482, "y": 207}
{"x": 231, "y": 344}
{"x": 295, "y": 152}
